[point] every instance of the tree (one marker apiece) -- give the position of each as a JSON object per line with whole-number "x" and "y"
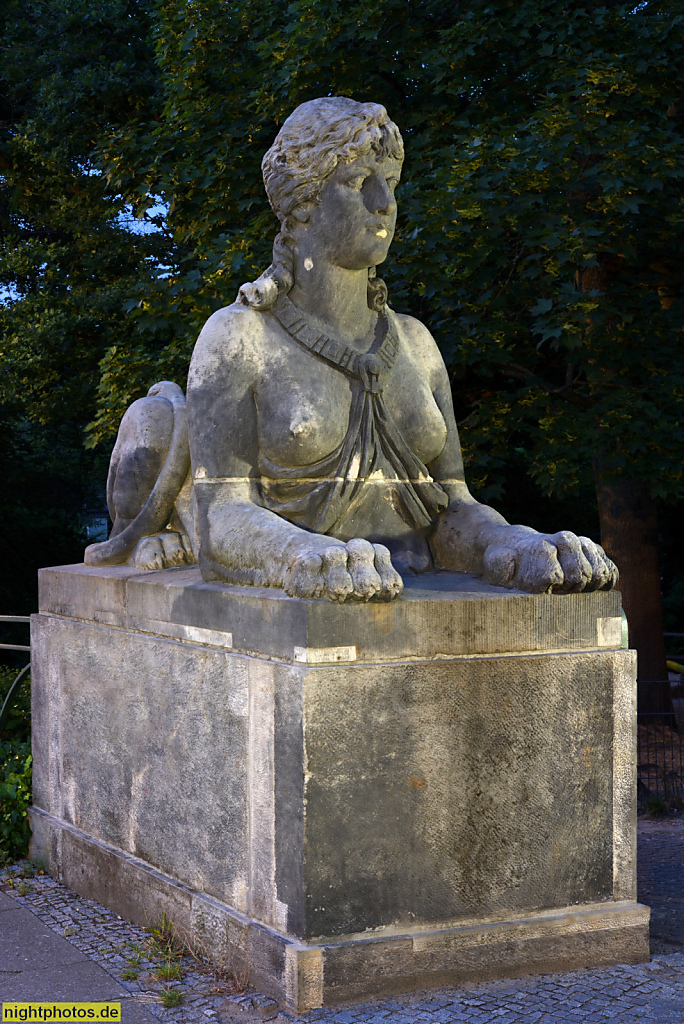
{"x": 69, "y": 73}
{"x": 540, "y": 221}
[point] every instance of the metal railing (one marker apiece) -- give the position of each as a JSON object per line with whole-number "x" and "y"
{"x": 660, "y": 740}
{"x": 14, "y": 688}
{"x": 660, "y": 735}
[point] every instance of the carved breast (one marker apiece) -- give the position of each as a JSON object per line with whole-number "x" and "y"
{"x": 303, "y": 419}
{"x": 411, "y": 404}
{"x": 304, "y": 411}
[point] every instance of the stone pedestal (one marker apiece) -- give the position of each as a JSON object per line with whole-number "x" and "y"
{"x": 349, "y": 799}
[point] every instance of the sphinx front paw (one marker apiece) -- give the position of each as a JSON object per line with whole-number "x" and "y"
{"x": 357, "y": 570}
{"x": 162, "y": 551}
{"x": 544, "y": 563}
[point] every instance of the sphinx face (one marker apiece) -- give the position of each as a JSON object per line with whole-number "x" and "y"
{"x": 353, "y": 225}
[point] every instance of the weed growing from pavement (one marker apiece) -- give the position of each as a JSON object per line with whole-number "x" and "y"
{"x": 231, "y": 977}
{"x": 171, "y": 997}
{"x": 164, "y": 940}
{"x": 169, "y": 972}
{"x": 137, "y": 954}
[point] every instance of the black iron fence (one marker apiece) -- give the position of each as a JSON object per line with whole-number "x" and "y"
{"x": 660, "y": 731}
{"x": 660, "y": 741}
{"x": 13, "y": 691}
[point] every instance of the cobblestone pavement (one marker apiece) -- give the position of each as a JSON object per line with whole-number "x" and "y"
{"x": 661, "y": 880}
{"x": 622, "y": 995}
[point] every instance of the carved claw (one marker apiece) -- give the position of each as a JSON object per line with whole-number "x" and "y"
{"x": 339, "y": 583}
{"x": 392, "y": 583}
{"x": 306, "y": 577}
{"x": 357, "y": 569}
{"x": 162, "y": 551}
{"x": 559, "y": 563}
{"x": 361, "y": 564}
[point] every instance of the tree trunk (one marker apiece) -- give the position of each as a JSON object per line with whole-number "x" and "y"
{"x": 629, "y": 534}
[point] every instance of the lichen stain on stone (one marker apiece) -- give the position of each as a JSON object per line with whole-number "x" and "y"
{"x": 383, "y": 616}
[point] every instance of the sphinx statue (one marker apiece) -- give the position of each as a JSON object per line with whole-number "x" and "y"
{"x": 317, "y": 448}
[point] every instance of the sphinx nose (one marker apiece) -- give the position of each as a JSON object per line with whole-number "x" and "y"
{"x": 383, "y": 202}
{"x": 387, "y": 204}
{"x": 388, "y": 208}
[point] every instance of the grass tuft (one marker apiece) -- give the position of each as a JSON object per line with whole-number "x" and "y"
{"x": 169, "y": 972}
{"x": 171, "y": 997}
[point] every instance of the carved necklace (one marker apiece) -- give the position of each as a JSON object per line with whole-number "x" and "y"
{"x": 318, "y": 496}
{"x": 369, "y": 367}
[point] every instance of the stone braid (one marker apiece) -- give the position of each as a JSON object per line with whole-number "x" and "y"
{"x": 277, "y": 280}
{"x": 282, "y": 267}
{"x": 376, "y": 292}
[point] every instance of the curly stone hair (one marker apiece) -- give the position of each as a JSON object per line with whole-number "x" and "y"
{"x": 314, "y": 139}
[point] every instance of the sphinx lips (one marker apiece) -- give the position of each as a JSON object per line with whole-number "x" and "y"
{"x": 382, "y": 233}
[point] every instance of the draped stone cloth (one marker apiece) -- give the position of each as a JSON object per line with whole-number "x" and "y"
{"x": 319, "y": 495}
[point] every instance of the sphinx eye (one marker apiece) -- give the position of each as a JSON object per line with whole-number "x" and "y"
{"x": 356, "y": 183}
{"x": 393, "y": 182}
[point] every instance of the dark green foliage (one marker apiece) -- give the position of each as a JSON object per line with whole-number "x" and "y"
{"x": 15, "y": 769}
{"x": 15, "y": 797}
{"x": 672, "y": 561}
{"x": 69, "y": 73}
{"x": 544, "y": 156}
{"x": 655, "y": 807}
{"x": 16, "y": 725}
{"x": 48, "y": 482}
{"x": 539, "y": 235}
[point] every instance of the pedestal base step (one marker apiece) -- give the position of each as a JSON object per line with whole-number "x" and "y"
{"x": 307, "y": 975}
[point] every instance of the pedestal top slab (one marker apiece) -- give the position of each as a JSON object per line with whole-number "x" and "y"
{"x": 439, "y": 615}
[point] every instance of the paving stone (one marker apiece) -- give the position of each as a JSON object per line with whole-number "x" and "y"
{"x": 82, "y": 981}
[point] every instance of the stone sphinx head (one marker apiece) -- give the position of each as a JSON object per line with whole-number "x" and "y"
{"x": 317, "y": 137}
